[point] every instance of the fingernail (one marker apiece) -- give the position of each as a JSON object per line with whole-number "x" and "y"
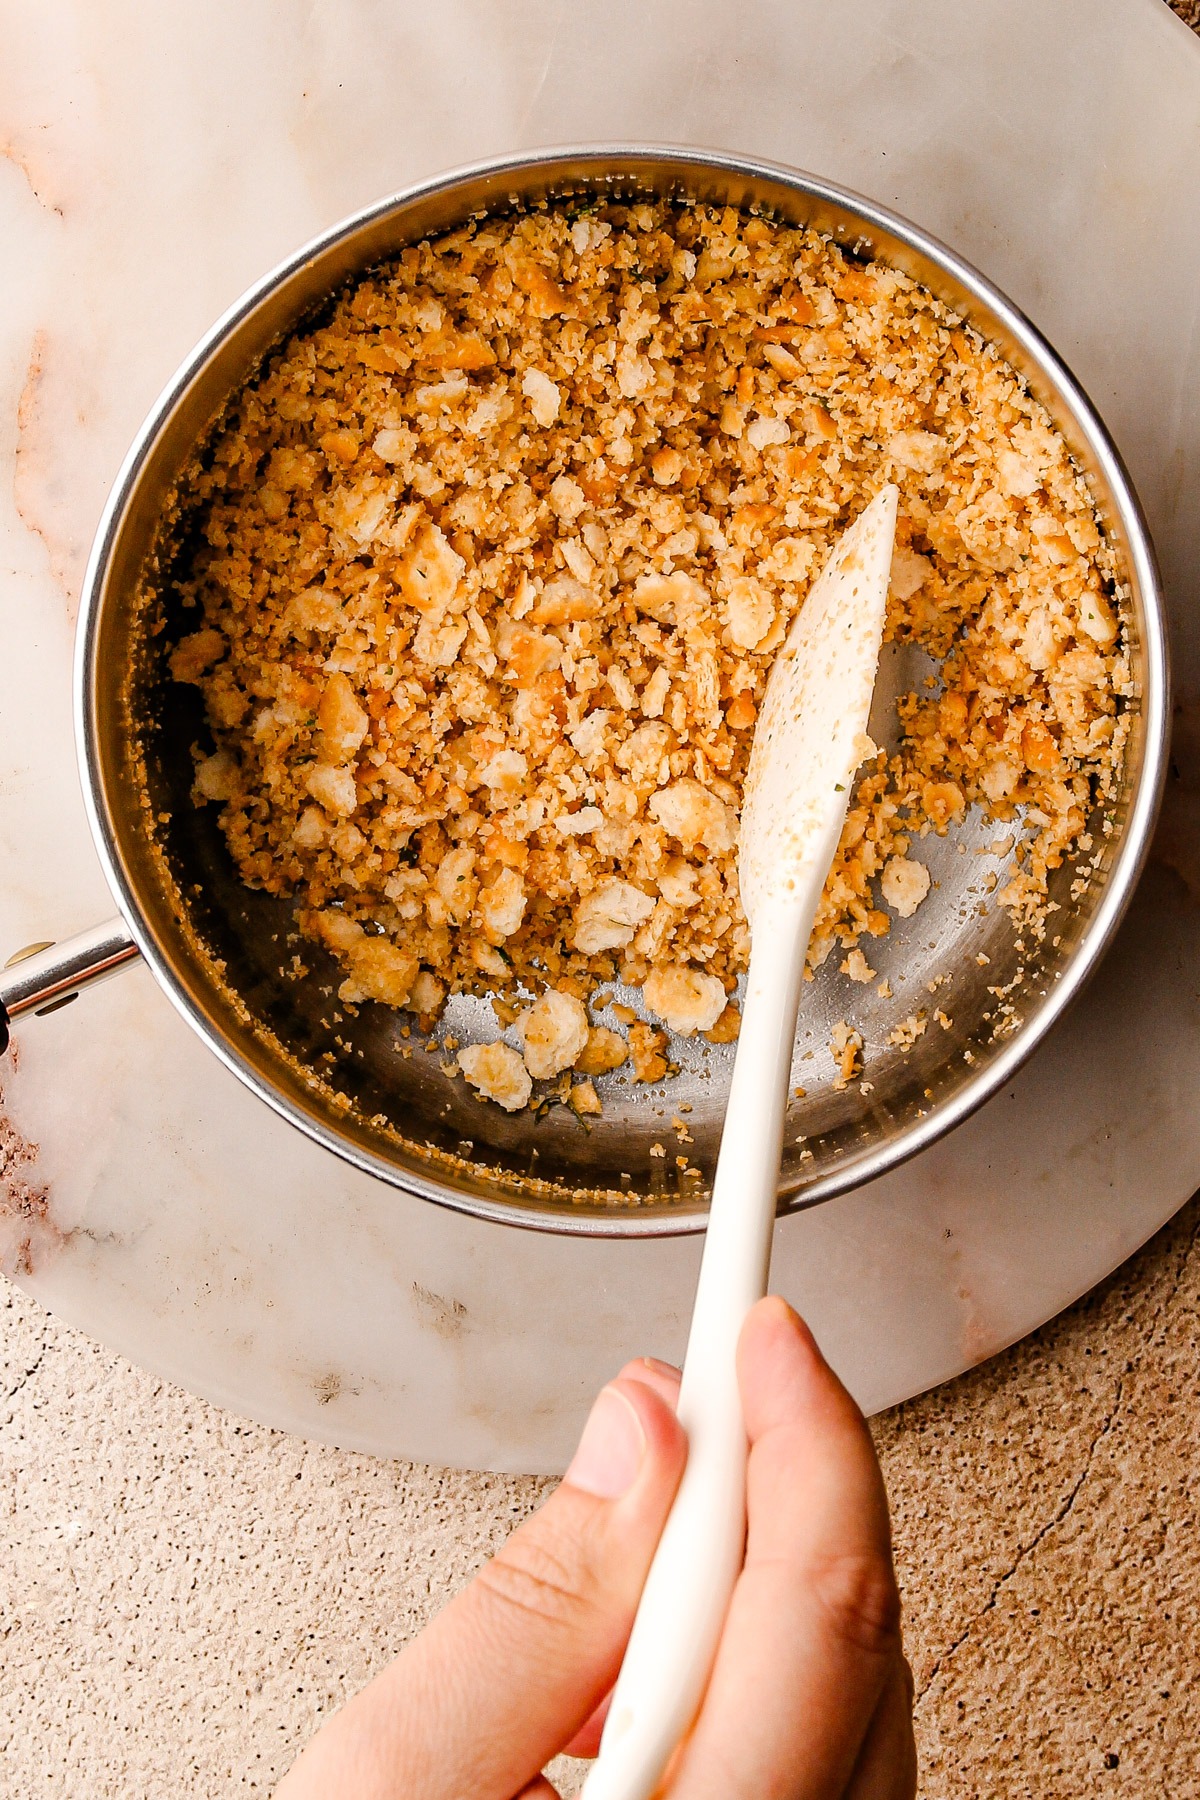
{"x": 667, "y": 1370}
{"x": 799, "y": 1329}
{"x": 611, "y": 1449}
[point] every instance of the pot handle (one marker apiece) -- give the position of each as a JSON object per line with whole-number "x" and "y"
{"x": 45, "y": 976}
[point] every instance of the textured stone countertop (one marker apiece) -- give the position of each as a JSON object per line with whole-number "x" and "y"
{"x": 186, "y": 1594}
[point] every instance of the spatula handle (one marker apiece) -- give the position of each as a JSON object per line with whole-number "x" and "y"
{"x": 686, "y": 1596}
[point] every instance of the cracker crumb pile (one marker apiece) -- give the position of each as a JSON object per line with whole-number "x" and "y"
{"x": 492, "y": 567}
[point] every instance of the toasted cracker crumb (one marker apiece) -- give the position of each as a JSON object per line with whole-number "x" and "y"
{"x": 904, "y": 884}
{"x": 584, "y": 1100}
{"x": 856, "y": 967}
{"x": 605, "y": 1050}
{"x": 554, "y": 1032}
{"x": 905, "y": 1035}
{"x": 685, "y": 999}
{"x": 494, "y": 562}
{"x": 497, "y": 1073}
{"x": 727, "y": 1027}
{"x": 847, "y": 1046}
{"x": 646, "y": 1049}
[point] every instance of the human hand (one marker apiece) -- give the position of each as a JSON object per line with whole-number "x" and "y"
{"x": 810, "y": 1696}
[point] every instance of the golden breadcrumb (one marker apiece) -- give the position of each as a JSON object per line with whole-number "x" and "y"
{"x": 493, "y": 564}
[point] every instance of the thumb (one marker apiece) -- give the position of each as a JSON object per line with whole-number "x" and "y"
{"x": 519, "y": 1660}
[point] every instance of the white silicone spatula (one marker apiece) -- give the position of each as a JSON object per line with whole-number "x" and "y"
{"x": 809, "y": 740}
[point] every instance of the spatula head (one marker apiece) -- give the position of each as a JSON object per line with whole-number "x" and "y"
{"x": 811, "y": 731}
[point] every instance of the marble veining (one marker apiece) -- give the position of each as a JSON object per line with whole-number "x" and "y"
{"x": 29, "y": 1236}
{"x": 151, "y": 166}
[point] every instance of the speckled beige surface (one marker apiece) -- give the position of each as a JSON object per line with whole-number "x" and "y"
{"x": 185, "y": 1595}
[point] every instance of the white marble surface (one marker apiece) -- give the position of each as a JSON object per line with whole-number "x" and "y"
{"x": 154, "y": 162}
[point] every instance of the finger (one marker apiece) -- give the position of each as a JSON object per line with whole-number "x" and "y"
{"x": 813, "y": 1627}
{"x": 540, "y": 1789}
{"x": 586, "y": 1741}
{"x": 663, "y": 1377}
{"x": 887, "y": 1763}
{"x": 517, "y": 1662}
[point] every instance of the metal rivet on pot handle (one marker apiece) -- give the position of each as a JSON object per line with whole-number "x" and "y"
{"x": 45, "y": 976}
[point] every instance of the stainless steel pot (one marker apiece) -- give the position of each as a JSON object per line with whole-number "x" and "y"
{"x": 215, "y": 947}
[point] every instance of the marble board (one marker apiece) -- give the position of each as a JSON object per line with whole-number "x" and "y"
{"x": 153, "y": 162}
